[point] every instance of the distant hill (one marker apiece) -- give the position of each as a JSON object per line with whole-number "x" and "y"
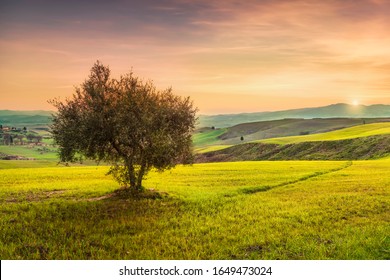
{"x": 18, "y": 118}
{"x": 4, "y": 113}
{"x": 358, "y": 131}
{"x": 372, "y": 147}
{"x": 340, "y": 110}
{"x": 366, "y": 141}
{"x": 258, "y": 131}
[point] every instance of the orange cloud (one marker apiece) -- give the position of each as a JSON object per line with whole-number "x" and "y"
{"x": 229, "y": 56}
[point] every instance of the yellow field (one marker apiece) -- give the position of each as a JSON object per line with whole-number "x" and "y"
{"x": 242, "y": 210}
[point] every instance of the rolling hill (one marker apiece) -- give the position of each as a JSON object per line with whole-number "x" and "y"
{"x": 340, "y": 110}
{"x": 19, "y": 118}
{"x": 369, "y": 141}
{"x": 258, "y": 131}
{"x": 372, "y": 147}
{"x": 340, "y": 134}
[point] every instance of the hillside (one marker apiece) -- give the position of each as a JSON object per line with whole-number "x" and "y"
{"x": 367, "y": 141}
{"x": 258, "y": 131}
{"x": 340, "y": 110}
{"x": 372, "y": 147}
{"x": 4, "y": 113}
{"x": 340, "y": 134}
{"x": 207, "y": 136}
{"x": 19, "y": 118}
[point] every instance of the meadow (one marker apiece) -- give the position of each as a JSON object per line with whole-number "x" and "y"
{"x": 36, "y": 152}
{"x": 239, "y": 210}
{"x": 360, "y": 133}
{"x": 340, "y": 134}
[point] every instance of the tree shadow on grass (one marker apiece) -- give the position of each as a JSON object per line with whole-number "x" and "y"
{"x": 107, "y": 228}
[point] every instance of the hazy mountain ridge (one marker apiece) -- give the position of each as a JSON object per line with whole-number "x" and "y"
{"x": 6, "y": 113}
{"x": 19, "y": 118}
{"x": 339, "y": 110}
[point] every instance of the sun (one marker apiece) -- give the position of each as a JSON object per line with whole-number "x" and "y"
{"x": 355, "y": 102}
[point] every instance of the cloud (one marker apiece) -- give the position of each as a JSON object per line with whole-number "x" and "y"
{"x": 258, "y": 48}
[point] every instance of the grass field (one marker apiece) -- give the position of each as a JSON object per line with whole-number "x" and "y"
{"x": 209, "y": 141}
{"x": 341, "y": 134}
{"x": 208, "y": 137}
{"x": 35, "y": 152}
{"x": 211, "y": 148}
{"x": 241, "y": 210}
{"x": 346, "y": 133}
{"x": 288, "y": 127}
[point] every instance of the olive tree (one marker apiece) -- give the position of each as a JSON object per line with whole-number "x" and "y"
{"x": 126, "y": 122}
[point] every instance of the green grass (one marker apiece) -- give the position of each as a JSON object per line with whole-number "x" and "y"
{"x": 363, "y": 148}
{"x": 211, "y": 148}
{"x": 288, "y": 127}
{"x": 11, "y": 164}
{"x": 347, "y": 133}
{"x": 210, "y": 140}
{"x": 35, "y": 152}
{"x": 241, "y": 210}
{"x": 8, "y": 164}
{"x": 207, "y": 137}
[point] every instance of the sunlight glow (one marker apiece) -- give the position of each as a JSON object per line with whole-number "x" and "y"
{"x": 355, "y": 103}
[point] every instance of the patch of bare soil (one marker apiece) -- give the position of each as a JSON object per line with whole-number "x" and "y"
{"x": 34, "y": 196}
{"x": 100, "y": 197}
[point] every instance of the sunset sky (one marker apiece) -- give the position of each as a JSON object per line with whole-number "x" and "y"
{"x": 229, "y": 56}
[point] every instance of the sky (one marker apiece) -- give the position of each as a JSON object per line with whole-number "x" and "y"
{"x": 228, "y": 56}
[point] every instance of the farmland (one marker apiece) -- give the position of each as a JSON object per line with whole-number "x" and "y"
{"x": 242, "y": 210}
{"x": 36, "y": 152}
{"x": 288, "y": 131}
{"x": 340, "y": 134}
{"x": 369, "y": 141}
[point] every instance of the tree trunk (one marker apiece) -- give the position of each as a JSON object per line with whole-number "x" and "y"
{"x": 140, "y": 176}
{"x": 132, "y": 177}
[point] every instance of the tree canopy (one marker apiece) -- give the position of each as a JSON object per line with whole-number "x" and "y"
{"x": 126, "y": 122}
